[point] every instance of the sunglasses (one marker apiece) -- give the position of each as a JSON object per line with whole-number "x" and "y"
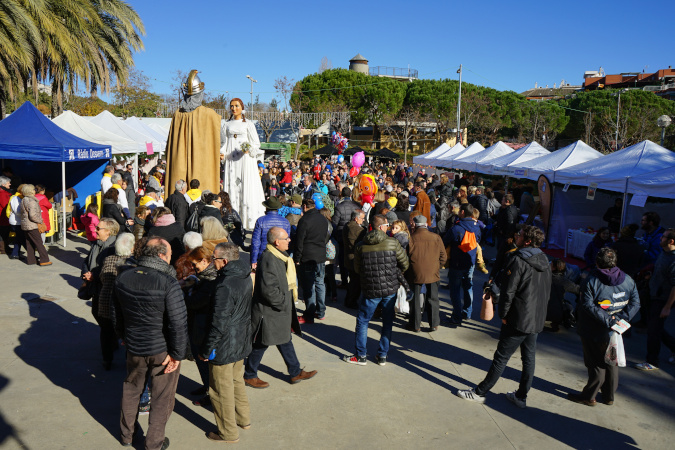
{"x": 99, "y": 228}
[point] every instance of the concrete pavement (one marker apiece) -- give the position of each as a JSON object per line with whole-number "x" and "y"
{"x": 55, "y": 394}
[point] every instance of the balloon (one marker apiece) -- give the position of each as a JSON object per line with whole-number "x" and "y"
{"x": 354, "y": 171}
{"x": 318, "y": 201}
{"x": 341, "y": 158}
{"x": 358, "y": 159}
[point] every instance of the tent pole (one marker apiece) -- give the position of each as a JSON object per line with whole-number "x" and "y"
{"x": 135, "y": 174}
{"x": 63, "y": 201}
{"x": 625, "y": 205}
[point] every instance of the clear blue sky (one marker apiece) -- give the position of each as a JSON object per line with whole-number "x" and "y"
{"x": 501, "y": 44}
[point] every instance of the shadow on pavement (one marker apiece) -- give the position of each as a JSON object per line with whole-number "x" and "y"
{"x": 567, "y": 430}
{"x": 6, "y": 430}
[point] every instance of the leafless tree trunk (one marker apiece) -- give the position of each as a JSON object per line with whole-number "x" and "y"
{"x": 284, "y": 86}
{"x": 326, "y": 64}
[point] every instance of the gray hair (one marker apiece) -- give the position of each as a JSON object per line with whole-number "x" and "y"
{"x": 358, "y": 213}
{"x": 226, "y": 250}
{"x": 274, "y": 234}
{"x": 4, "y": 180}
{"x": 116, "y": 178}
{"x": 154, "y": 247}
{"x": 180, "y": 184}
{"x": 28, "y": 190}
{"x": 204, "y": 193}
{"x": 192, "y": 240}
{"x": 111, "y": 225}
{"x": 124, "y": 245}
{"x": 454, "y": 204}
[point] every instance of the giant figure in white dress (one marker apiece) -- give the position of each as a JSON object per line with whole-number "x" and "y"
{"x": 241, "y": 178}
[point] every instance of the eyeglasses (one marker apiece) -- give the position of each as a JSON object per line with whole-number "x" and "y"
{"x": 285, "y": 239}
{"x": 218, "y": 259}
{"x": 99, "y": 229}
{"x": 217, "y": 201}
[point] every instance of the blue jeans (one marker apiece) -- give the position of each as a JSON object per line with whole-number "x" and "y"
{"x": 459, "y": 279}
{"x": 509, "y": 341}
{"x": 367, "y": 307}
{"x": 287, "y": 352}
{"x": 311, "y": 276}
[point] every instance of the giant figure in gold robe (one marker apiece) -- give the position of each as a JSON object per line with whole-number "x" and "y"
{"x": 193, "y": 145}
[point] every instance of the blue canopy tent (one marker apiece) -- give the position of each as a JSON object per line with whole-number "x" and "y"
{"x": 39, "y": 145}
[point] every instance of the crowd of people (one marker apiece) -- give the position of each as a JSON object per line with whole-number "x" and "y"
{"x": 166, "y": 276}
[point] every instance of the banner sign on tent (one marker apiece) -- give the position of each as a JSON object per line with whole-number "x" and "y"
{"x": 148, "y": 148}
{"x": 566, "y": 187}
{"x": 84, "y": 154}
{"x": 590, "y": 195}
{"x": 639, "y": 200}
{"x": 520, "y": 172}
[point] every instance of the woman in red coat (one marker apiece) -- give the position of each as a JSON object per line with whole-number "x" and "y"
{"x": 45, "y": 206}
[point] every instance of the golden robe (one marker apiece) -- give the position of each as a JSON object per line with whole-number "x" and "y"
{"x": 193, "y": 149}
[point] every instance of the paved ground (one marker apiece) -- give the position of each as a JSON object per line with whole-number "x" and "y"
{"x": 54, "y": 393}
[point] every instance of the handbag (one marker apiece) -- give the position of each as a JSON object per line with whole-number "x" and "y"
{"x": 86, "y": 291}
{"x": 615, "y": 354}
{"x": 42, "y": 228}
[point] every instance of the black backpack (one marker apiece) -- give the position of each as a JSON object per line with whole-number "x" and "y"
{"x": 192, "y": 224}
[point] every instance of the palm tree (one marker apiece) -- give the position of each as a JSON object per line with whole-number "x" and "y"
{"x": 19, "y": 36}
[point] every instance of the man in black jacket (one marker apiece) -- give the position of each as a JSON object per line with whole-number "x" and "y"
{"x": 310, "y": 253}
{"x": 149, "y": 315}
{"x": 341, "y": 217}
{"x": 379, "y": 260}
{"x": 523, "y": 300}
{"x": 228, "y": 342}
{"x": 177, "y": 203}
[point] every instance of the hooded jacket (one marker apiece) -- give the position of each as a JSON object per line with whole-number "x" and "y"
{"x": 525, "y": 291}
{"x": 229, "y": 334}
{"x": 607, "y": 293}
{"x": 379, "y": 260}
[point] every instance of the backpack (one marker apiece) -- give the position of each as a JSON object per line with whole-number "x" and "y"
{"x": 468, "y": 242}
{"x": 192, "y": 224}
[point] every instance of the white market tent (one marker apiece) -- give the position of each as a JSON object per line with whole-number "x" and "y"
{"x": 660, "y": 183}
{"x": 161, "y": 130}
{"x": 422, "y": 159}
{"x": 576, "y": 153}
{"x": 470, "y": 162}
{"x": 108, "y": 121}
{"x": 448, "y": 157}
{"x": 157, "y": 138}
{"x": 611, "y": 172}
{"x": 502, "y": 165}
{"x": 84, "y": 129}
{"x": 455, "y": 149}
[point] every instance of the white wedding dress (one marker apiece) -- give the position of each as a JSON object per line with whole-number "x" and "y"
{"x": 240, "y": 174}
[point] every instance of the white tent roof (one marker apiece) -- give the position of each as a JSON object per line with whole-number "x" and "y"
{"x": 108, "y": 121}
{"x": 502, "y": 165}
{"x": 137, "y": 124}
{"x": 164, "y": 122}
{"x": 161, "y": 130}
{"x": 83, "y": 128}
{"x": 470, "y": 162}
{"x": 446, "y": 158}
{"x": 612, "y": 171}
{"x": 660, "y": 183}
{"x": 576, "y": 153}
{"x": 435, "y": 161}
{"x": 421, "y": 159}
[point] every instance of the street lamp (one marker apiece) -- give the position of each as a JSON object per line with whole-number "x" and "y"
{"x": 663, "y": 122}
{"x": 252, "y": 81}
{"x": 616, "y": 136}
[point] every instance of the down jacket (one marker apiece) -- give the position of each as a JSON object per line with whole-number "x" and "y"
{"x": 525, "y": 291}
{"x": 379, "y": 260}
{"x": 30, "y": 213}
{"x": 311, "y": 238}
{"x": 262, "y": 226}
{"x": 229, "y": 334}
{"x": 343, "y": 214}
{"x": 149, "y": 311}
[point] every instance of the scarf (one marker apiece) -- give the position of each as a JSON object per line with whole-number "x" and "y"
{"x": 117, "y": 186}
{"x": 145, "y": 200}
{"x": 290, "y": 270}
{"x": 155, "y": 262}
{"x": 166, "y": 219}
{"x": 107, "y": 175}
{"x": 194, "y": 194}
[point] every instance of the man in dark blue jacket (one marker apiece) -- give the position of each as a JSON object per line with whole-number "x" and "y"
{"x": 228, "y": 342}
{"x": 263, "y": 225}
{"x": 462, "y": 263}
{"x": 523, "y": 300}
{"x": 149, "y": 314}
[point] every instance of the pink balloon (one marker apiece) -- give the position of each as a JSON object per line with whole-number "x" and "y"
{"x": 358, "y": 159}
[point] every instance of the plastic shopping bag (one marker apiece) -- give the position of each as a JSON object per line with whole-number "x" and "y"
{"x": 402, "y": 305}
{"x": 487, "y": 310}
{"x": 615, "y": 354}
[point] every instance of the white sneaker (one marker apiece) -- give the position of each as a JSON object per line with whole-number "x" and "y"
{"x": 511, "y": 396}
{"x": 470, "y": 395}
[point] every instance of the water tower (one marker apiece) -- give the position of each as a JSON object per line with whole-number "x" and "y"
{"x": 359, "y": 64}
